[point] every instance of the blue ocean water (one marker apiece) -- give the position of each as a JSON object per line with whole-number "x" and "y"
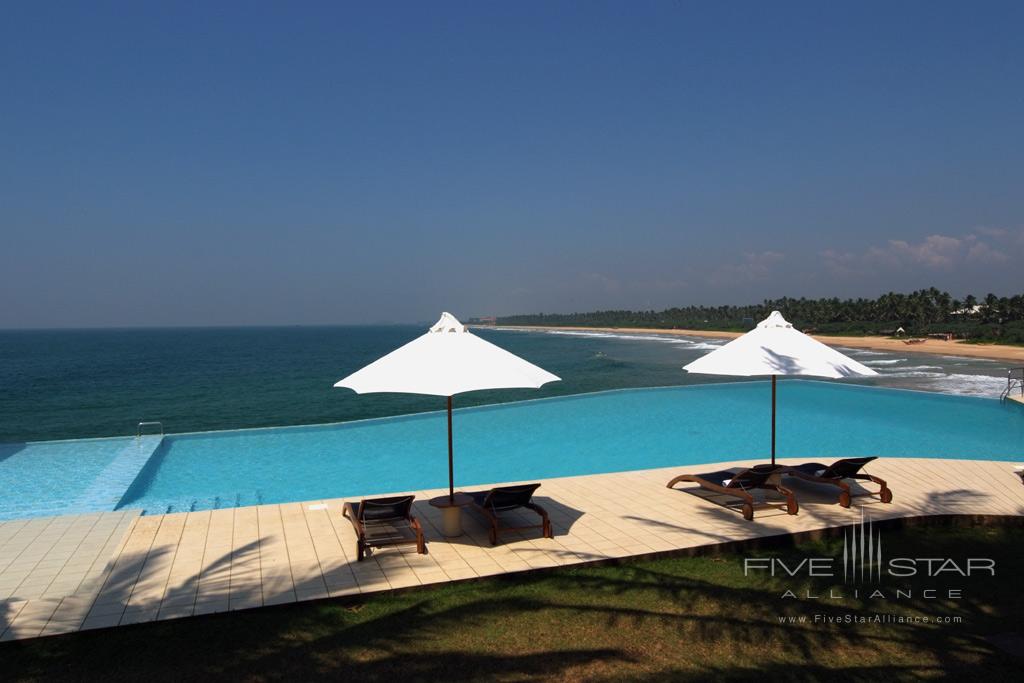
{"x": 93, "y": 383}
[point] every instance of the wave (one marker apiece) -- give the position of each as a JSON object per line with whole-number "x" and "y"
{"x": 950, "y": 383}
{"x": 654, "y": 336}
{"x": 972, "y": 359}
{"x": 885, "y": 361}
{"x": 910, "y": 368}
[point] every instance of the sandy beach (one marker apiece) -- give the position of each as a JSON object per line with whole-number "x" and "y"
{"x": 1013, "y": 354}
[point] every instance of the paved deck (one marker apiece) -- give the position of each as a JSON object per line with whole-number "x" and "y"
{"x": 64, "y": 574}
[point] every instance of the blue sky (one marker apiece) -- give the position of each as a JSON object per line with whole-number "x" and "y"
{"x": 247, "y": 163}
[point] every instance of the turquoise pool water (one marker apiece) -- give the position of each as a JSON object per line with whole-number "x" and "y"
{"x": 585, "y": 434}
{"x": 47, "y": 477}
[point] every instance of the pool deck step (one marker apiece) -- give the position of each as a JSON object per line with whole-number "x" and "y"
{"x": 110, "y": 485}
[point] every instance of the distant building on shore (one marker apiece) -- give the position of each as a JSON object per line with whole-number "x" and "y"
{"x": 973, "y": 310}
{"x": 484, "y": 320}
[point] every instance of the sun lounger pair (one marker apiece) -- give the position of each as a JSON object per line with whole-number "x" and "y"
{"x": 381, "y": 522}
{"x": 741, "y": 485}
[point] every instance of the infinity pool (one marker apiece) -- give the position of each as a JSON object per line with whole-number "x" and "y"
{"x": 585, "y": 434}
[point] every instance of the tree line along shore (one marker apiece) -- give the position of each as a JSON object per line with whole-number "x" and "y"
{"x": 921, "y": 314}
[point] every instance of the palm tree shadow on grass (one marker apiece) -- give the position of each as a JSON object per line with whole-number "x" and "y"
{"x": 369, "y": 639}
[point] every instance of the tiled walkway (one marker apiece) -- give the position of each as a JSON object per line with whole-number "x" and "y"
{"x": 65, "y": 574}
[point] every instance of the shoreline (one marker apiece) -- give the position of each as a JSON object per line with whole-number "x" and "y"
{"x": 937, "y": 347}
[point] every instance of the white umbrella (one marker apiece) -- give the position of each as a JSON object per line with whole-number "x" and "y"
{"x": 445, "y": 361}
{"x": 775, "y": 348}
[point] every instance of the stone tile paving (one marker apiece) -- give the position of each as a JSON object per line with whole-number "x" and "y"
{"x": 69, "y": 573}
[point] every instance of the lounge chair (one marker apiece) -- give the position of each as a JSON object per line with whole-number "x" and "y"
{"x": 847, "y": 468}
{"x": 506, "y": 499}
{"x": 381, "y": 522}
{"x": 740, "y": 484}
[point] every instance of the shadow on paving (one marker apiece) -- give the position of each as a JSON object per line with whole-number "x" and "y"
{"x": 679, "y": 618}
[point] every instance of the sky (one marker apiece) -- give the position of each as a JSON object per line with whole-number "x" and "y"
{"x": 319, "y": 163}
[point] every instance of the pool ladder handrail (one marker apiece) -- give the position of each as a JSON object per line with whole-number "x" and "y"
{"x": 1014, "y": 380}
{"x": 149, "y": 423}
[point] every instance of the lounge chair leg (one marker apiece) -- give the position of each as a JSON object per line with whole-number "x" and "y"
{"x": 792, "y": 507}
{"x": 885, "y": 495}
{"x": 844, "y": 499}
{"x": 494, "y": 535}
{"x": 748, "y": 512}
{"x": 360, "y": 551}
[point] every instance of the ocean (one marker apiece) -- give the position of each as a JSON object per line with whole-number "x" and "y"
{"x": 65, "y": 384}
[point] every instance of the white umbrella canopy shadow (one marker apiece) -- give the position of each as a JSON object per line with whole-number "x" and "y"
{"x": 447, "y": 360}
{"x": 776, "y": 348}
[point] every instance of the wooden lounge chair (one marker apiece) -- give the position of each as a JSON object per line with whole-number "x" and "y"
{"x": 381, "y": 522}
{"x": 740, "y": 484}
{"x": 847, "y": 468}
{"x": 506, "y": 499}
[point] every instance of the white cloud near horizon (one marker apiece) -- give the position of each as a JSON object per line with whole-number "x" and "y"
{"x": 983, "y": 246}
{"x": 755, "y": 267}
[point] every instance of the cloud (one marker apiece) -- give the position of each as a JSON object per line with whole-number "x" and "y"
{"x": 933, "y": 253}
{"x": 841, "y": 263}
{"x": 755, "y": 267}
{"x": 936, "y": 251}
{"x": 980, "y": 252}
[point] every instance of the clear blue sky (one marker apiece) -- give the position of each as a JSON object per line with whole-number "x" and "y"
{"x": 247, "y": 163}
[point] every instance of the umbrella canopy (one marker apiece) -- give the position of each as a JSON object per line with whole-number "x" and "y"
{"x": 445, "y": 361}
{"x": 775, "y": 348}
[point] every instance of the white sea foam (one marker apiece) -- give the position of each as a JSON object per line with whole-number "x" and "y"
{"x": 653, "y": 336}
{"x": 945, "y": 374}
{"x": 949, "y": 383}
{"x": 706, "y": 346}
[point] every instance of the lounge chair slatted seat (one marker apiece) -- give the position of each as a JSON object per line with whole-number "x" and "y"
{"x": 381, "y": 522}
{"x": 834, "y": 474}
{"x": 501, "y": 499}
{"x": 739, "y": 485}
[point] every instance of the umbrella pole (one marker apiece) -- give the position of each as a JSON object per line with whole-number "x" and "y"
{"x": 451, "y": 469}
{"x": 772, "y": 420}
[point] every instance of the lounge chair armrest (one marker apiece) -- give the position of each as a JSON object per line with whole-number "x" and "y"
{"x": 348, "y": 510}
{"x": 538, "y": 509}
{"x": 735, "y": 491}
{"x": 868, "y": 477}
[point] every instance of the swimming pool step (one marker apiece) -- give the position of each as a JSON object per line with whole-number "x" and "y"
{"x": 225, "y": 502}
{"x": 106, "y": 491}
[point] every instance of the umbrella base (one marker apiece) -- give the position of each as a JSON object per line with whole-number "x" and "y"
{"x": 451, "y": 523}
{"x": 451, "y": 513}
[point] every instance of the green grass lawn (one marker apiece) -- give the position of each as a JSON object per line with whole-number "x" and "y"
{"x": 679, "y": 618}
